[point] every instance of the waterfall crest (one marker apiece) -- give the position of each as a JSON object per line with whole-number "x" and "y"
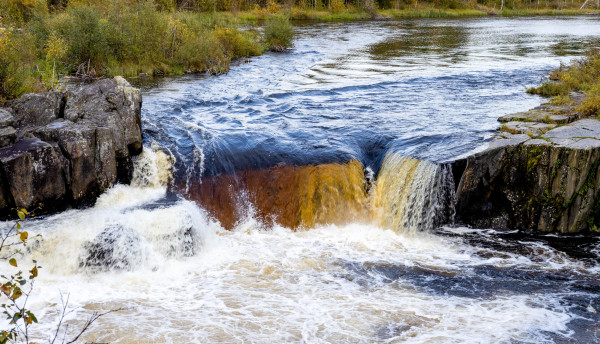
{"x": 412, "y": 194}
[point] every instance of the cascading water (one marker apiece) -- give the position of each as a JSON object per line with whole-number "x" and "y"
{"x": 411, "y": 194}
{"x": 261, "y": 218}
{"x": 130, "y": 227}
{"x": 171, "y": 267}
{"x": 407, "y": 195}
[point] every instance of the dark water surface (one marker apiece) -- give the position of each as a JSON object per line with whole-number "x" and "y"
{"x": 430, "y": 89}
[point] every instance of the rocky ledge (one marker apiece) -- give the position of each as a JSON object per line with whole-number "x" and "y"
{"x": 63, "y": 149}
{"x": 541, "y": 172}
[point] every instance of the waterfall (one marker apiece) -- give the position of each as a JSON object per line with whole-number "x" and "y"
{"x": 291, "y": 196}
{"x": 135, "y": 225}
{"x": 152, "y": 168}
{"x": 407, "y": 195}
{"x": 412, "y": 194}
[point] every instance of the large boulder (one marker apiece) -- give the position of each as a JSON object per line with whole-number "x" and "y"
{"x": 32, "y": 172}
{"x": 77, "y": 143}
{"x": 86, "y": 136}
{"x": 111, "y": 103}
{"x": 35, "y": 109}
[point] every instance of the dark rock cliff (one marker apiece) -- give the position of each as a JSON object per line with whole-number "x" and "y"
{"x": 64, "y": 148}
{"x": 541, "y": 173}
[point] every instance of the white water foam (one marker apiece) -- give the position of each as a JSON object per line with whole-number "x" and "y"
{"x": 184, "y": 279}
{"x": 283, "y": 286}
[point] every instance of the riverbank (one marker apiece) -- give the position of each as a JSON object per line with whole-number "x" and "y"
{"x": 542, "y": 170}
{"x": 89, "y": 42}
{"x": 41, "y": 45}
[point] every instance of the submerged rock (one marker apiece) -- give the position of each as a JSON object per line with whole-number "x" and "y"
{"x": 180, "y": 244}
{"x": 67, "y": 147}
{"x": 115, "y": 248}
{"x": 548, "y": 183}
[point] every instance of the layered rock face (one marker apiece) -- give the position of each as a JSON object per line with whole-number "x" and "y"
{"x": 65, "y": 148}
{"x": 544, "y": 175}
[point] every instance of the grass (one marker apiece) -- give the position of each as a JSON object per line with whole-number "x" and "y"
{"x": 582, "y": 75}
{"x": 127, "y": 40}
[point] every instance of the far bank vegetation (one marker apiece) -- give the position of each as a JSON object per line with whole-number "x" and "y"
{"x": 41, "y": 41}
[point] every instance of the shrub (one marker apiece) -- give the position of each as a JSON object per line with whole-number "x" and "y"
{"x": 591, "y": 103}
{"x": 202, "y": 52}
{"x": 16, "y": 52}
{"x": 19, "y": 11}
{"x": 278, "y": 34}
{"x": 336, "y": 6}
{"x": 86, "y": 36}
{"x": 136, "y": 33}
{"x": 238, "y": 43}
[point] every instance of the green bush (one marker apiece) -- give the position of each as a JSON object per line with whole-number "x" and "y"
{"x": 86, "y": 35}
{"x": 278, "y": 34}
{"x": 137, "y": 33}
{"x": 16, "y": 56}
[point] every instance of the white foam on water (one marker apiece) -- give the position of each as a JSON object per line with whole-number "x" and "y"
{"x": 283, "y": 286}
{"x": 182, "y": 278}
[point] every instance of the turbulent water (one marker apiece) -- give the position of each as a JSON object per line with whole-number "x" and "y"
{"x": 304, "y": 197}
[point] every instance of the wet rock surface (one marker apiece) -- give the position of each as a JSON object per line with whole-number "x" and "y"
{"x": 115, "y": 248}
{"x": 64, "y": 148}
{"x": 531, "y": 179}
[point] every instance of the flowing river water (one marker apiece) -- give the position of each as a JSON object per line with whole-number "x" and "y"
{"x": 303, "y": 197}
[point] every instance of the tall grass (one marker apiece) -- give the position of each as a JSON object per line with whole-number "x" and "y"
{"x": 119, "y": 39}
{"x": 581, "y": 75}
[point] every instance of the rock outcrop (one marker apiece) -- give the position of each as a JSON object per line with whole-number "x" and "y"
{"x": 64, "y": 148}
{"x": 534, "y": 177}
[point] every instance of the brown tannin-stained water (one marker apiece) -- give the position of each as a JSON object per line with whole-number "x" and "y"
{"x": 304, "y": 197}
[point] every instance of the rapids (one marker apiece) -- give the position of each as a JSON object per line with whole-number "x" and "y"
{"x": 304, "y": 197}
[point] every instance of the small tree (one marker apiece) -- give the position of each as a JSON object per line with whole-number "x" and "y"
{"x": 16, "y": 289}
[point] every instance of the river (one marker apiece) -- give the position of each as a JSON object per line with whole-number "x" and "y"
{"x": 303, "y": 197}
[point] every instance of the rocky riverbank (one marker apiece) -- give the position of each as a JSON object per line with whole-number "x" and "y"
{"x": 63, "y": 149}
{"x": 541, "y": 172}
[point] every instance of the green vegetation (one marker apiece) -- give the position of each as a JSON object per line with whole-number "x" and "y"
{"x": 110, "y": 38}
{"x": 581, "y": 75}
{"x": 278, "y": 34}
{"x": 41, "y": 41}
{"x": 17, "y": 286}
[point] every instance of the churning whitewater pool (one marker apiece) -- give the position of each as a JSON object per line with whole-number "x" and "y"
{"x": 303, "y": 197}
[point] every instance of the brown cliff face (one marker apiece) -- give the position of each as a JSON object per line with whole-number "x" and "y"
{"x": 65, "y": 148}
